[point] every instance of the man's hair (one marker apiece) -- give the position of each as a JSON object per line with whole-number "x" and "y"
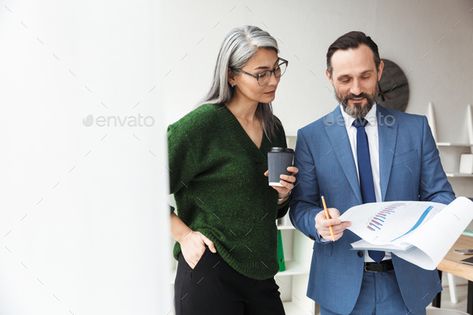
{"x": 349, "y": 40}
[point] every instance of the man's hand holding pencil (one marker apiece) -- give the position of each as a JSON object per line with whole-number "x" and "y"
{"x": 328, "y": 224}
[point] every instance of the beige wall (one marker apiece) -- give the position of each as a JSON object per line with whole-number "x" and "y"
{"x": 432, "y": 40}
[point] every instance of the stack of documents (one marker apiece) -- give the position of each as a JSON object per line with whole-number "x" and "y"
{"x": 420, "y": 232}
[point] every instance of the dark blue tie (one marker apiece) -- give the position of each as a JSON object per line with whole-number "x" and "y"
{"x": 365, "y": 173}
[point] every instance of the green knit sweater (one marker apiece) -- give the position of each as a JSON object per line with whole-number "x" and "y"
{"x": 217, "y": 178}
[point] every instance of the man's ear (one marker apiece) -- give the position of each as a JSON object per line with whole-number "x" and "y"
{"x": 328, "y": 74}
{"x": 380, "y": 69}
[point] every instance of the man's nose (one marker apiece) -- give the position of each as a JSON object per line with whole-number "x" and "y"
{"x": 355, "y": 88}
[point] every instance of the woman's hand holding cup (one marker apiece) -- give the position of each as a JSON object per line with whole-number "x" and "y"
{"x": 281, "y": 174}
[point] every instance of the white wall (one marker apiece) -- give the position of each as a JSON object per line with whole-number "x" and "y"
{"x": 432, "y": 40}
{"x": 83, "y": 217}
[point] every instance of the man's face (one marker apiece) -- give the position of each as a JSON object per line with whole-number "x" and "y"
{"x": 354, "y": 78}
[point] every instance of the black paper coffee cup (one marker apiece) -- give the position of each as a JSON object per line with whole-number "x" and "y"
{"x": 279, "y": 159}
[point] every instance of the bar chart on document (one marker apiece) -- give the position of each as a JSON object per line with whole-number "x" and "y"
{"x": 409, "y": 229}
{"x": 388, "y": 222}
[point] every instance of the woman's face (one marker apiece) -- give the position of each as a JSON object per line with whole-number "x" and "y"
{"x": 247, "y": 86}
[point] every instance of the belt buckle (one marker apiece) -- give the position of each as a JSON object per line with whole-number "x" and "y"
{"x": 376, "y": 270}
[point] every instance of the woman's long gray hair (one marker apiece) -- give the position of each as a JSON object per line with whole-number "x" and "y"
{"x": 238, "y": 47}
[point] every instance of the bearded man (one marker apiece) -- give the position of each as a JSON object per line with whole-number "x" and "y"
{"x": 360, "y": 153}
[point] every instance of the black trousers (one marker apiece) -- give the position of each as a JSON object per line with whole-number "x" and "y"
{"x": 214, "y": 288}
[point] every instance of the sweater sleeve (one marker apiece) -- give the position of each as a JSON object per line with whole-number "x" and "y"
{"x": 182, "y": 163}
{"x": 281, "y": 140}
{"x": 283, "y": 208}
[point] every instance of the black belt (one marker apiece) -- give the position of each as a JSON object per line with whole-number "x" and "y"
{"x": 382, "y": 266}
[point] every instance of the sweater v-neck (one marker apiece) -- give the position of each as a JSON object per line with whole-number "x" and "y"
{"x": 232, "y": 122}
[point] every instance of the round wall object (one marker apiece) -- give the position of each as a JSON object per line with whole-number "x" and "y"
{"x": 393, "y": 88}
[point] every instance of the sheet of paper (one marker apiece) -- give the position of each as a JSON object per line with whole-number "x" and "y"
{"x": 440, "y": 233}
{"x": 362, "y": 244}
{"x": 419, "y": 232}
{"x": 387, "y": 222}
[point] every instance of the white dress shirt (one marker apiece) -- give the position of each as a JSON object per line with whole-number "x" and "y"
{"x": 371, "y": 129}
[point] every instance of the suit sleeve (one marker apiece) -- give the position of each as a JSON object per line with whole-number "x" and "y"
{"x": 434, "y": 185}
{"x": 305, "y": 202}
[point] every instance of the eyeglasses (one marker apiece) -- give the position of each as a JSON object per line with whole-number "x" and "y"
{"x": 264, "y": 77}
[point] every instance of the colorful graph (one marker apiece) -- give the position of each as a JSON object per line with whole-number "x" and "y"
{"x": 380, "y": 218}
{"x": 377, "y": 222}
{"x": 419, "y": 222}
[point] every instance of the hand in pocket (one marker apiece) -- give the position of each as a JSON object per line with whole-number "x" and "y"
{"x": 193, "y": 247}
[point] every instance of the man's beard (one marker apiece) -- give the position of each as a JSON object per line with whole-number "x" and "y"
{"x": 357, "y": 111}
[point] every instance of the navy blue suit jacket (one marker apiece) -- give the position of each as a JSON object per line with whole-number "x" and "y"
{"x": 410, "y": 169}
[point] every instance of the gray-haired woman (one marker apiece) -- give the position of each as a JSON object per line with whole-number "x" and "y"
{"x": 225, "y": 227}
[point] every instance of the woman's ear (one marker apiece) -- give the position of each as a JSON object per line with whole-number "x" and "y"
{"x": 231, "y": 78}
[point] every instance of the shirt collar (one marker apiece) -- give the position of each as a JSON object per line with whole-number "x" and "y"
{"x": 370, "y": 117}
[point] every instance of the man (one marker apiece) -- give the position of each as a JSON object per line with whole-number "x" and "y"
{"x": 362, "y": 152}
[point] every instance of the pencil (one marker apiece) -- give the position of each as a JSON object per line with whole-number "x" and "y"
{"x": 327, "y": 216}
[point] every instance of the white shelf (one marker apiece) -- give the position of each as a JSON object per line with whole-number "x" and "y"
{"x": 293, "y": 268}
{"x": 293, "y": 309}
{"x": 449, "y": 144}
{"x": 286, "y": 227}
{"x": 458, "y": 175}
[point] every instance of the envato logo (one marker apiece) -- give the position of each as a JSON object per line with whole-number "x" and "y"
{"x": 118, "y": 121}
{"x": 382, "y": 120}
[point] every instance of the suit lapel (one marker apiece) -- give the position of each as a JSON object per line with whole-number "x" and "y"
{"x": 337, "y": 134}
{"x": 387, "y": 133}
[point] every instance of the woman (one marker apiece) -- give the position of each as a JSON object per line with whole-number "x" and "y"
{"x": 225, "y": 228}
